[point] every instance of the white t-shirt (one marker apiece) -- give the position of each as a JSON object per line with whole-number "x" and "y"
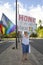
{"x": 25, "y": 40}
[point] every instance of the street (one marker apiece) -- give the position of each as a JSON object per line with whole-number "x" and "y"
{"x": 5, "y": 45}
{"x": 37, "y": 44}
{"x": 9, "y": 56}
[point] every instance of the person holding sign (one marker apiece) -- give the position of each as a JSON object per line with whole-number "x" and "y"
{"x": 25, "y": 45}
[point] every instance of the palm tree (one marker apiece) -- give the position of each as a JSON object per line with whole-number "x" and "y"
{"x": 40, "y": 23}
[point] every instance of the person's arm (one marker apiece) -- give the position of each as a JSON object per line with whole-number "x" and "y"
{"x": 21, "y": 37}
{"x": 29, "y": 35}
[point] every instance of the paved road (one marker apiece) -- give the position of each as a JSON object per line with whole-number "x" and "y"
{"x": 5, "y": 45}
{"x": 14, "y": 56}
{"x": 37, "y": 44}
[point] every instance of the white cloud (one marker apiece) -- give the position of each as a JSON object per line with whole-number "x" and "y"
{"x": 36, "y": 12}
{"x": 8, "y": 11}
{"x": 7, "y": 5}
{"x": 18, "y": 3}
{"x": 21, "y": 9}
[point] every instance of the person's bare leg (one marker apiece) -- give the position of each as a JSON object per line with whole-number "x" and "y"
{"x": 23, "y": 57}
{"x": 26, "y": 56}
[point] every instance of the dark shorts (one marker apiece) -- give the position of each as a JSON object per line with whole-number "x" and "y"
{"x": 25, "y": 48}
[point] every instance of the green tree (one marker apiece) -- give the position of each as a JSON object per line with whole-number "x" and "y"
{"x": 40, "y": 30}
{"x": 40, "y": 33}
{"x": 33, "y": 35}
{"x": 40, "y": 23}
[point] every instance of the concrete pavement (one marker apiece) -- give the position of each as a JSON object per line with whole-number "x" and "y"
{"x": 38, "y": 55}
{"x": 14, "y": 57}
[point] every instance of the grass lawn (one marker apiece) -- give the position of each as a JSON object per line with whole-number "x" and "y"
{"x": 8, "y": 38}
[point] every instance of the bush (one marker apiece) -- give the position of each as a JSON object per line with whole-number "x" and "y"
{"x": 33, "y": 35}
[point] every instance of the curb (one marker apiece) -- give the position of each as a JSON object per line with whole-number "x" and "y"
{"x": 36, "y": 38}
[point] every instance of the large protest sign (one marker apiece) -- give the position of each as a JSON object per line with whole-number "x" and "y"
{"x": 26, "y": 23}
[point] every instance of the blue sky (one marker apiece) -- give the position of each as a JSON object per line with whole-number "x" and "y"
{"x": 32, "y": 2}
{"x": 32, "y": 8}
{"x": 27, "y": 3}
{"x": 4, "y": 1}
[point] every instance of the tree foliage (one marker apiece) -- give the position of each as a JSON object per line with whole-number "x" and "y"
{"x": 33, "y": 35}
{"x": 40, "y": 30}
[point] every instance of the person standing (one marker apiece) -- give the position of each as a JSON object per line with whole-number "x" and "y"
{"x": 25, "y": 45}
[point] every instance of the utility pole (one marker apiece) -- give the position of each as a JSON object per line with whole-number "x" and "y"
{"x": 16, "y": 26}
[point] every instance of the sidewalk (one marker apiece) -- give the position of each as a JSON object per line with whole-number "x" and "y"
{"x": 38, "y": 55}
{"x": 14, "y": 57}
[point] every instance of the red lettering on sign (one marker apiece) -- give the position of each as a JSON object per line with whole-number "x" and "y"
{"x": 30, "y": 19}
{"x": 34, "y": 20}
{"x": 26, "y": 18}
{"x": 21, "y": 17}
